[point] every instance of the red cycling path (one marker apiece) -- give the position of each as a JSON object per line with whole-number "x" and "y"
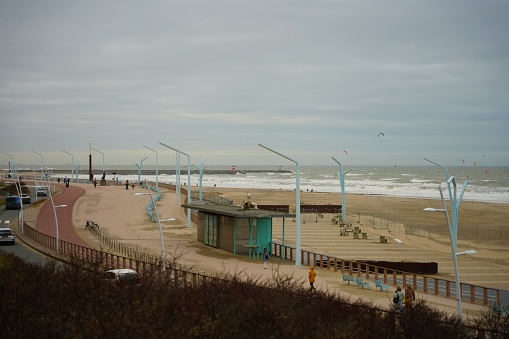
{"x": 45, "y": 222}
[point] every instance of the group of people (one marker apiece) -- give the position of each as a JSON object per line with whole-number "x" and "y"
{"x": 401, "y": 300}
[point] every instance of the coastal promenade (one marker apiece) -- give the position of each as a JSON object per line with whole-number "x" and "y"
{"x": 122, "y": 214}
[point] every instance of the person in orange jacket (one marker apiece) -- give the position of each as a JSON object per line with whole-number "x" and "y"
{"x": 312, "y": 278}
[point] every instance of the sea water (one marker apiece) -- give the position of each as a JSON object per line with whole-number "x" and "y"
{"x": 483, "y": 184}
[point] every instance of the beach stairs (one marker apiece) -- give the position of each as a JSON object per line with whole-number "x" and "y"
{"x": 379, "y": 284}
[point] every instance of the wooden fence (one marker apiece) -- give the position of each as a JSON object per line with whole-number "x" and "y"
{"x": 69, "y": 252}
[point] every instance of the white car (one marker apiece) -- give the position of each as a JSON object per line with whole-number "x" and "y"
{"x": 123, "y": 276}
{"x": 41, "y": 192}
{"x": 7, "y": 235}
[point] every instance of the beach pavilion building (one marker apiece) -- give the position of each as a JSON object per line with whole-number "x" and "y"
{"x": 236, "y": 229}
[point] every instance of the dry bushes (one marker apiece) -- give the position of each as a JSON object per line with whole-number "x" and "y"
{"x": 70, "y": 301}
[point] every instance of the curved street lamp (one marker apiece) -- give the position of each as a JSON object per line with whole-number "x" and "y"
{"x": 10, "y": 163}
{"x": 101, "y": 153}
{"x": 452, "y": 223}
{"x": 139, "y": 169}
{"x": 188, "y": 180}
{"x": 157, "y": 165}
{"x": 42, "y": 160}
{"x": 72, "y": 162}
{"x": 341, "y": 177}
{"x": 297, "y": 204}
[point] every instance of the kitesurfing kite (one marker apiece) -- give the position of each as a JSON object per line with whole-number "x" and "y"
{"x": 381, "y": 134}
{"x": 346, "y": 152}
{"x": 475, "y": 163}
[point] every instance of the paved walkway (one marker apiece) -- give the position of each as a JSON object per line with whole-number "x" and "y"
{"x": 64, "y": 204}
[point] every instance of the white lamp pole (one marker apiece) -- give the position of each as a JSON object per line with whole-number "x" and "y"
{"x": 163, "y": 253}
{"x": 201, "y": 176}
{"x": 72, "y": 162}
{"x": 297, "y": 204}
{"x": 177, "y": 175}
{"x": 188, "y": 180}
{"x": 452, "y": 224}
{"x": 42, "y": 161}
{"x": 157, "y": 165}
{"x": 139, "y": 169}
{"x": 10, "y": 163}
{"x": 57, "y": 237}
{"x": 341, "y": 176}
{"x": 101, "y": 153}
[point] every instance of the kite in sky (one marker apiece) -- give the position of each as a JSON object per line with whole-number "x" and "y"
{"x": 381, "y": 134}
{"x": 346, "y": 152}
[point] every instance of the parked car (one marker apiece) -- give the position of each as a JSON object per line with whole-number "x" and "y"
{"x": 41, "y": 191}
{"x": 12, "y": 202}
{"x": 7, "y": 235}
{"x": 124, "y": 276}
{"x": 27, "y": 199}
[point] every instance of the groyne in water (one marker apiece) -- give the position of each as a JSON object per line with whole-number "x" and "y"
{"x": 173, "y": 172}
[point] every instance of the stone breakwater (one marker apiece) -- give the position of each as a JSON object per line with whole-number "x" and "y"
{"x": 172, "y": 172}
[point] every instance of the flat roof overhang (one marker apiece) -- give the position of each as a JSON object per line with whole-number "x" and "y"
{"x": 237, "y": 211}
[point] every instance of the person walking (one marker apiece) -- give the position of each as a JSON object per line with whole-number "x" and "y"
{"x": 409, "y": 296}
{"x": 398, "y": 298}
{"x": 127, "y": 184}
{"x": 265, "y": 258}
{"x": 95, "y": 183}
{"x": 312, "y": 278}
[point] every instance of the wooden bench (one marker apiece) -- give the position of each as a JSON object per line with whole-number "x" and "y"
{"x": 362, "y": 283}
{"x": 379, "y": 283}
{"x": 348, "y": 278}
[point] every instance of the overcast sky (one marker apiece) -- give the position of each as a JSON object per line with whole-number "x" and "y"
{"x": 310, "y": 79}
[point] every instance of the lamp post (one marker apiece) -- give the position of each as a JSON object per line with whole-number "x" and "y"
{"x": 101, "y": 153}
{"x": 72, "y": 162}
{"x": 163, "y": 253}
{"x": 177, "y": 175}
{"x": 10, "y": 163}
{"x": 139, "y": 169}
{"x": 297, "y": 204}
{"x": 452, "y": 223}
{"x": 77, "y": 169}
{"x": 188, "y": 180}
{"x": 57, "y": 237}
{"x": 201, "y": 176}
{"x": 42, "y": 161}
{"x": 341, "y": 177}
{"x": 157, "y": 165}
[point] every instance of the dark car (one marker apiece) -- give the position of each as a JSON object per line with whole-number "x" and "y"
{"x": 12, "y": 202}
{"x": 27, "y": 199}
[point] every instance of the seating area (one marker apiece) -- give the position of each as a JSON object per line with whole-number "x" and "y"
{"x": 380, "y": 284}
{"x": 362, "y": 283}
{"x": 348, "y": 278}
